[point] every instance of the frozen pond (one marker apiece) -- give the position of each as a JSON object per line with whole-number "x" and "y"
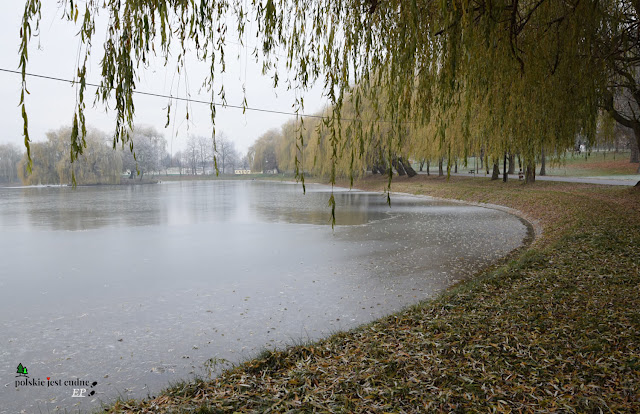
{"x": 134, "y": 287}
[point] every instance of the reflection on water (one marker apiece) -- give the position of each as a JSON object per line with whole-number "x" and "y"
{"x": 137, "y": 286}
{"x": 63, "y": 208}
{"x": 352, "y": 208}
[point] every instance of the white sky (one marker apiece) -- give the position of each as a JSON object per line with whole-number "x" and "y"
{"x": 51, "y": 104}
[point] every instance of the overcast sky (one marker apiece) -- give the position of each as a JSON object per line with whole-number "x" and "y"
{"x": 51, "y": 104}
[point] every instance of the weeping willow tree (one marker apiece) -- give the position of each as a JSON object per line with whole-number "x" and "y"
{"x": 98, "y": 164}
{"x": 264, "y": 152}
{"x": 307, "y": 142}
{"x": 501, "y": 75}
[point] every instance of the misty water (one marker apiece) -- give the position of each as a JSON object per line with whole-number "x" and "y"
{"x": 135, "y": 287}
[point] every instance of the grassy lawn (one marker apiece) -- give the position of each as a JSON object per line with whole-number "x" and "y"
{"x": 597, "y": 164}
{"x": 553, "y": 328}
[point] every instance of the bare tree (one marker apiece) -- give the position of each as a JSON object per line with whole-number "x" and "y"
{"x": 191, "y": 155}
{"x": 226, "y": 153}
{"x": 149, "y": 147}
{"x": 10, "y": 155}
{"x": 204, "y": 151}
{"x": 245, "y": 162}
{"x": 176, "y": 160}
{"x": 166, "y": 162}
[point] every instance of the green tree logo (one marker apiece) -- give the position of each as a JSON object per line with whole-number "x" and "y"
{"x": 22, "y": 370}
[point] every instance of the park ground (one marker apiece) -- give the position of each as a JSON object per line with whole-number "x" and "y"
{"x": 596, "y": 164}
{"x": 554, "y": 327}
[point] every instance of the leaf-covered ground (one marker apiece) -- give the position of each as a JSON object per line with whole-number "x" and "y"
{"x": 555, "y": 328}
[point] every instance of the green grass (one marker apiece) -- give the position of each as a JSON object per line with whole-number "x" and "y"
{"x": 554, "y": 327}
{"x": 595, "y": 164}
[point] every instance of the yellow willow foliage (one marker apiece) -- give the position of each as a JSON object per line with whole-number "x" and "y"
{"x": 501, "y": 75}
{"x": 264, "y": 151}
{"x": 98, "y": 164}
{"x": 304, "y": 145}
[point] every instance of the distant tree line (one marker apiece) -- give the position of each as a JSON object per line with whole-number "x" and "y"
{"x": 100, "y": 164}
{"x": 276, "y": 149}
{"x": 201, "y": 156}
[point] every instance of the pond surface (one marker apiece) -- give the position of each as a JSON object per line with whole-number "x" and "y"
{"x": 135, "y": 287}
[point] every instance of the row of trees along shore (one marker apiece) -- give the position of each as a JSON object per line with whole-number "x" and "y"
{"x": 275, "y": 149}
{"x": 306, "y": 145}
{"x": 100, "y": 163}
{"x": 429, "y": 78}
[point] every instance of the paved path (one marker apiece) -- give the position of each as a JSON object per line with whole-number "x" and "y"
{"x": 585, "y": 180}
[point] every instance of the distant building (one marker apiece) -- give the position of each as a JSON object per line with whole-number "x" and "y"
{"x": 274, "y": 171}
{"x": 240, "y": 171}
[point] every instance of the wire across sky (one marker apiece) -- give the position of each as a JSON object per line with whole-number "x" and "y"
{"x": 177, "y": 98}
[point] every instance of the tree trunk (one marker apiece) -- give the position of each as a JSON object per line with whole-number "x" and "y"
{"x": 486, "y": 164}
{"x": 496, "y": 171}
{"x": 520, "y": 162}
{"x": 456, "y": 167}
{"x": 633, "y": 143}
{"x": 422, "y": 161}
{"x": 530, "y": 174}
{"x": 512, "y": 164}
{"x": 505, "y": 175}
{"x": 398, "y": 166}
{"x": 428, "y": 163}
{"x": 636, "y": 135}
{"x": 407, "y": 167}
{"x": 543, "y": 167}
{"x": 629, "y": 123}
{"x": 440, "y": 170}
